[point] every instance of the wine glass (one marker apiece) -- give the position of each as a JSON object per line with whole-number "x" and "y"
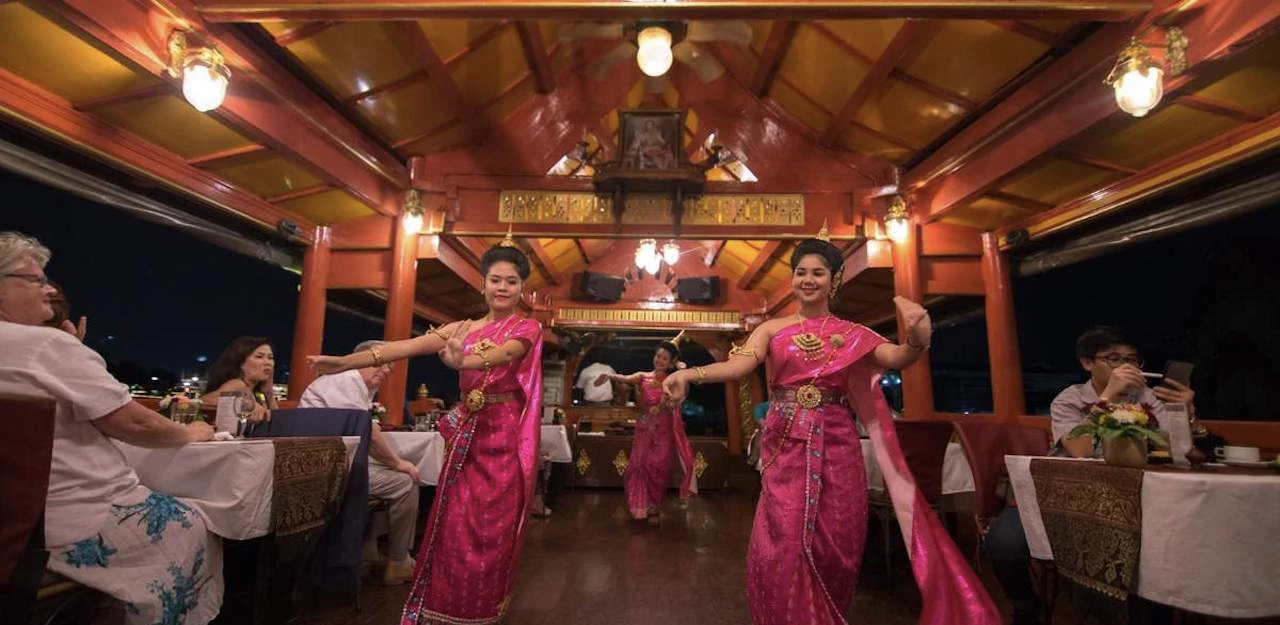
{"x": 244, "y": 406}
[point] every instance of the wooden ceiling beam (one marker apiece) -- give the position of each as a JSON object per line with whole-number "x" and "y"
{"x": 439, "y": 76}
{"x": 302, "y": 32}
{"x": 1019, "y": 201}
{"x": 546, "y": 266}
{"x": 300, "y": 193}
{"x": 148, "y": 92}
{"x": 582, "y": 251}
{"x": 897, "y": 74}
{"x": 1093, "y": 161}
{"x": 471, "y": 247}
{"x": 908, "y": 37}
{"x": 760, "y": 264}
{"x": 713, "y": 252}
{"x": 535, "y": 54}
{"x": 1067, "y": 98}
{"x": 1030, "y": 32}
{"x": 233, "y": 156}
{"x": 29, "y": 105}
{"x": 449, "y": 256}
{"x": 264, "y": 101}
{"x": 853, "y": 124}
{"x": 781, "y": 33}
{"x": 1217, "y": 107}
{"x": 613, "y": 10}
{"x": 1225, "y": 150}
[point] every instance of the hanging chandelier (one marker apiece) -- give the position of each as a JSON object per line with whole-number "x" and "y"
{"x": 649, "y": 257}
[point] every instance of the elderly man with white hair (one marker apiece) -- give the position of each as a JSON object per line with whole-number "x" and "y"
{"x": 391, "y": 478}
{"x": 103, "y": 528}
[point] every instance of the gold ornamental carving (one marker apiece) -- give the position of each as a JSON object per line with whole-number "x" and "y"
{"x": 699, "y": 464}
{"x": 581, "y": 207}
{"x": 584, "y": 462}
{"x": 745, "y": 409}
{"x": 621, "y": 461}
{"x": 671, "y": 317}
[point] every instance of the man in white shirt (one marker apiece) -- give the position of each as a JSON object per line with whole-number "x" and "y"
{"x": 591, "y": 393}
{"x": 1115, "y": 375}
{"x": 391, "y": 478}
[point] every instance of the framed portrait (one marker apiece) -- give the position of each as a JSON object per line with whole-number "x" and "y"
{"x": 651, "y": 138}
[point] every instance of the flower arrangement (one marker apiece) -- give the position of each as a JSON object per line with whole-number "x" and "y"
{"x": 377, "y": 411}
{"x": 1106, "y": 421}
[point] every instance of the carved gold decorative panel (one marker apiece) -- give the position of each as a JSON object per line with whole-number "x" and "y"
{"x": 577, "y": 207}
{"x": 621, "y": 461}
{"x": 584, "y": 462}
{"x": 566, "y": 316}
{"x": 699, "y": 464}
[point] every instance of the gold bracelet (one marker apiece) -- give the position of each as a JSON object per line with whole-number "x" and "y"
{"x": 376, "y": 352}
{"x": 702, "y": 374}
{"x": 438, "y": 332}
{"x": 743, "y": 350}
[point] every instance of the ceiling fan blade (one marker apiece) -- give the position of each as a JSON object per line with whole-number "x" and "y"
{"x": 736, "y": 32}
{"x": 704, "y": 65}
{"x": 589, "y": 30}
{"x": 622, "y": 52}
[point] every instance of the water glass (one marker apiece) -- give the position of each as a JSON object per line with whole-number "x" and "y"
{"x": 185, "y": 412}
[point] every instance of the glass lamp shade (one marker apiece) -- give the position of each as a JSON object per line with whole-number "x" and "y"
{"x": 204, "y": 85}
{"x": 671, "y": 253}
{"x": 1139, "y": 89}
{"x": 653, "y": 265}
{"x": 654, "y": 51}
{"x": 897, "y": 228}
{"x": 413, "y": 222}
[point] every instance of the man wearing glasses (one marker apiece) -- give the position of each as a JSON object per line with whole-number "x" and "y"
{"x": 1115, "y": 375}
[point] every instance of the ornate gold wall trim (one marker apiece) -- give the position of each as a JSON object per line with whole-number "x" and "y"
{"x": 567, "y": 316}
{"x": 578, "y": 207}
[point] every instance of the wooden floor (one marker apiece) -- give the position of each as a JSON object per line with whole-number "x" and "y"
{"x": 590, "y": 565}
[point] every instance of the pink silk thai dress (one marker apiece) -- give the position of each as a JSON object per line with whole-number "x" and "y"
{"x": 471, "y": 541}
{"x": 658, "y": 434}
{"x": 811, "y": 520}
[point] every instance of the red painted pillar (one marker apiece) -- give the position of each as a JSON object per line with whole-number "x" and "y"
{"x": 308, "y": 327}
{"x": 1002, "y": 332}
{"x": 399, "y": 317}
{"x": 917, "y": 385}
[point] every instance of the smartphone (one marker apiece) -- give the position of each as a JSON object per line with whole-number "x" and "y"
{"x": 1179, "y": 371}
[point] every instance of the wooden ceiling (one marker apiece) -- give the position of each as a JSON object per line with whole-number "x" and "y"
{"x": 989, "y": 115}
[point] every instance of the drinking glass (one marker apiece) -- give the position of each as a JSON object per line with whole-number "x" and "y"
{"x": 185, "y": 412}
{"x": 244, "y": 406}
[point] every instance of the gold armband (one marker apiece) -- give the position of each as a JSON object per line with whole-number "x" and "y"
{"x": 743, "y": 350}
{"x": 702, "y": 374}
{"x": 376, "y": 352}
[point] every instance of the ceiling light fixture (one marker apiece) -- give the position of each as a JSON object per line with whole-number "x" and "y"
{"x": 653, "y": 53}
{"x": 412, "y": 212}
{"x": 1138, "y": 80}
{"x": 203, "y": 70}
{"x": 896, "y": 222}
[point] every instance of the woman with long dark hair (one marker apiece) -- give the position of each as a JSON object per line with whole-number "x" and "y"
{"x": 659, "y": 432}
{"x": 247, "y": 365}
{"x": 811, "y": 520}
{"x": 471, "y": 542}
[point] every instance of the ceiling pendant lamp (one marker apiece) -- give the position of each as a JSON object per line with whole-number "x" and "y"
{"x": 204, "y": 72}
{"x": 896, "y": 222}
{"x": 653, "y": 53}
{"x": 1138, "y": 80}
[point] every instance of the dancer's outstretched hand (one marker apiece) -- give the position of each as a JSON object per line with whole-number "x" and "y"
{"x": 453, "y": 351}
{"x": 325, "y": 365}
{"x": 675, "y": 388}
{"x": 916, "y": 320}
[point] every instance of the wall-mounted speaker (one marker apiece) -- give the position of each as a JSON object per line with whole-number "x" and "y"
{"x": 599, "y": 287}
{"x": 701, "y": 290}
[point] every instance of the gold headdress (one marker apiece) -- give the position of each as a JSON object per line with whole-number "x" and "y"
{"x": 508, "y": 241}
{"x": 823, "y": 235}
{"x": 676, "y": 340}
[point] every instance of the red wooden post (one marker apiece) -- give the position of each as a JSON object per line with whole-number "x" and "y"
{"x": 399, "y": 317}
{"x": 917, "y": 385}
{"x": 308, "y": 327}
{"x": 1002, "y": 332}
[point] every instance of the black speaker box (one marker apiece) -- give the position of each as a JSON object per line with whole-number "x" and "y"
{"x": 599, "y": 287}
{"x": 703, "y": 290}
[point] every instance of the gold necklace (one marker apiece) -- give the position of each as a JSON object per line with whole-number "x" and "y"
{"x": 809, "y": 395}
{"x": 475, "y": 397}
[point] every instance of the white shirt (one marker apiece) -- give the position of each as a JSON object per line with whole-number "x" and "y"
{"x": 88, "y": 473}
{"x": 587, "y": 382}
{"x": 1071, "y": 406}
{"x": 338, "y": 390}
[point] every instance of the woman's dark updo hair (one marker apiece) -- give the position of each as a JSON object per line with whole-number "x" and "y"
{"x": 500, "y": 253}
{"x": 829, "y": 253}
{"x": 227, "y": 365}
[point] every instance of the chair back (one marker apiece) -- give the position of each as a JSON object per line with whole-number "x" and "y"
{"x": 985, "y": 445}
{"x": 26, "y": 453}
{"x": 924, "y": 445}
{"x": 339, "y": 548}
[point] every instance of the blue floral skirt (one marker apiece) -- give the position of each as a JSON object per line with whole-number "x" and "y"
{"x": 156, "y": 556}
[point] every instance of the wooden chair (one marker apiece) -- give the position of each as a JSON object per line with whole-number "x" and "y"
{"x": 985, "y": 446}
{"x": 26, "y": 453}
{"x": 924, "y": 446}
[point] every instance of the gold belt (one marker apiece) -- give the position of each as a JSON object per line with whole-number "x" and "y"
{"x": 806, "y": 395}
{"x": 477, "y": 399}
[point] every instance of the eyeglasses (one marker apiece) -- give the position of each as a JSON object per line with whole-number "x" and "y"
{"x": 1115, "y": 360}
{"x": 33, "y": 278}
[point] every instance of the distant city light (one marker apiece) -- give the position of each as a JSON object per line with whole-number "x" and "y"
{"x": 200, "y": 358}
{"x": 155, "y": 379}
{"x": 111, "y": 337}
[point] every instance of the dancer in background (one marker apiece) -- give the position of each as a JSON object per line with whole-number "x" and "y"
{"x": 659, "y": 432}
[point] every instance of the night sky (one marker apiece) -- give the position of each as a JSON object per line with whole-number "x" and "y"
{"x": 160, "y": 298}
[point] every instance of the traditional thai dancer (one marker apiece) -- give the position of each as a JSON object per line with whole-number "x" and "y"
{"x": 471, "y": 542}
{"x": 659, "y": 432}
{"x": 811, "y": 520}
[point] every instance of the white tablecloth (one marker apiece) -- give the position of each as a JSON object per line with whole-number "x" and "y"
{"x": 1209, "y": 541}
{"x": 956, "y": 475}
{"x": 230, "y": 482}
{"x": 426, "y": 449}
